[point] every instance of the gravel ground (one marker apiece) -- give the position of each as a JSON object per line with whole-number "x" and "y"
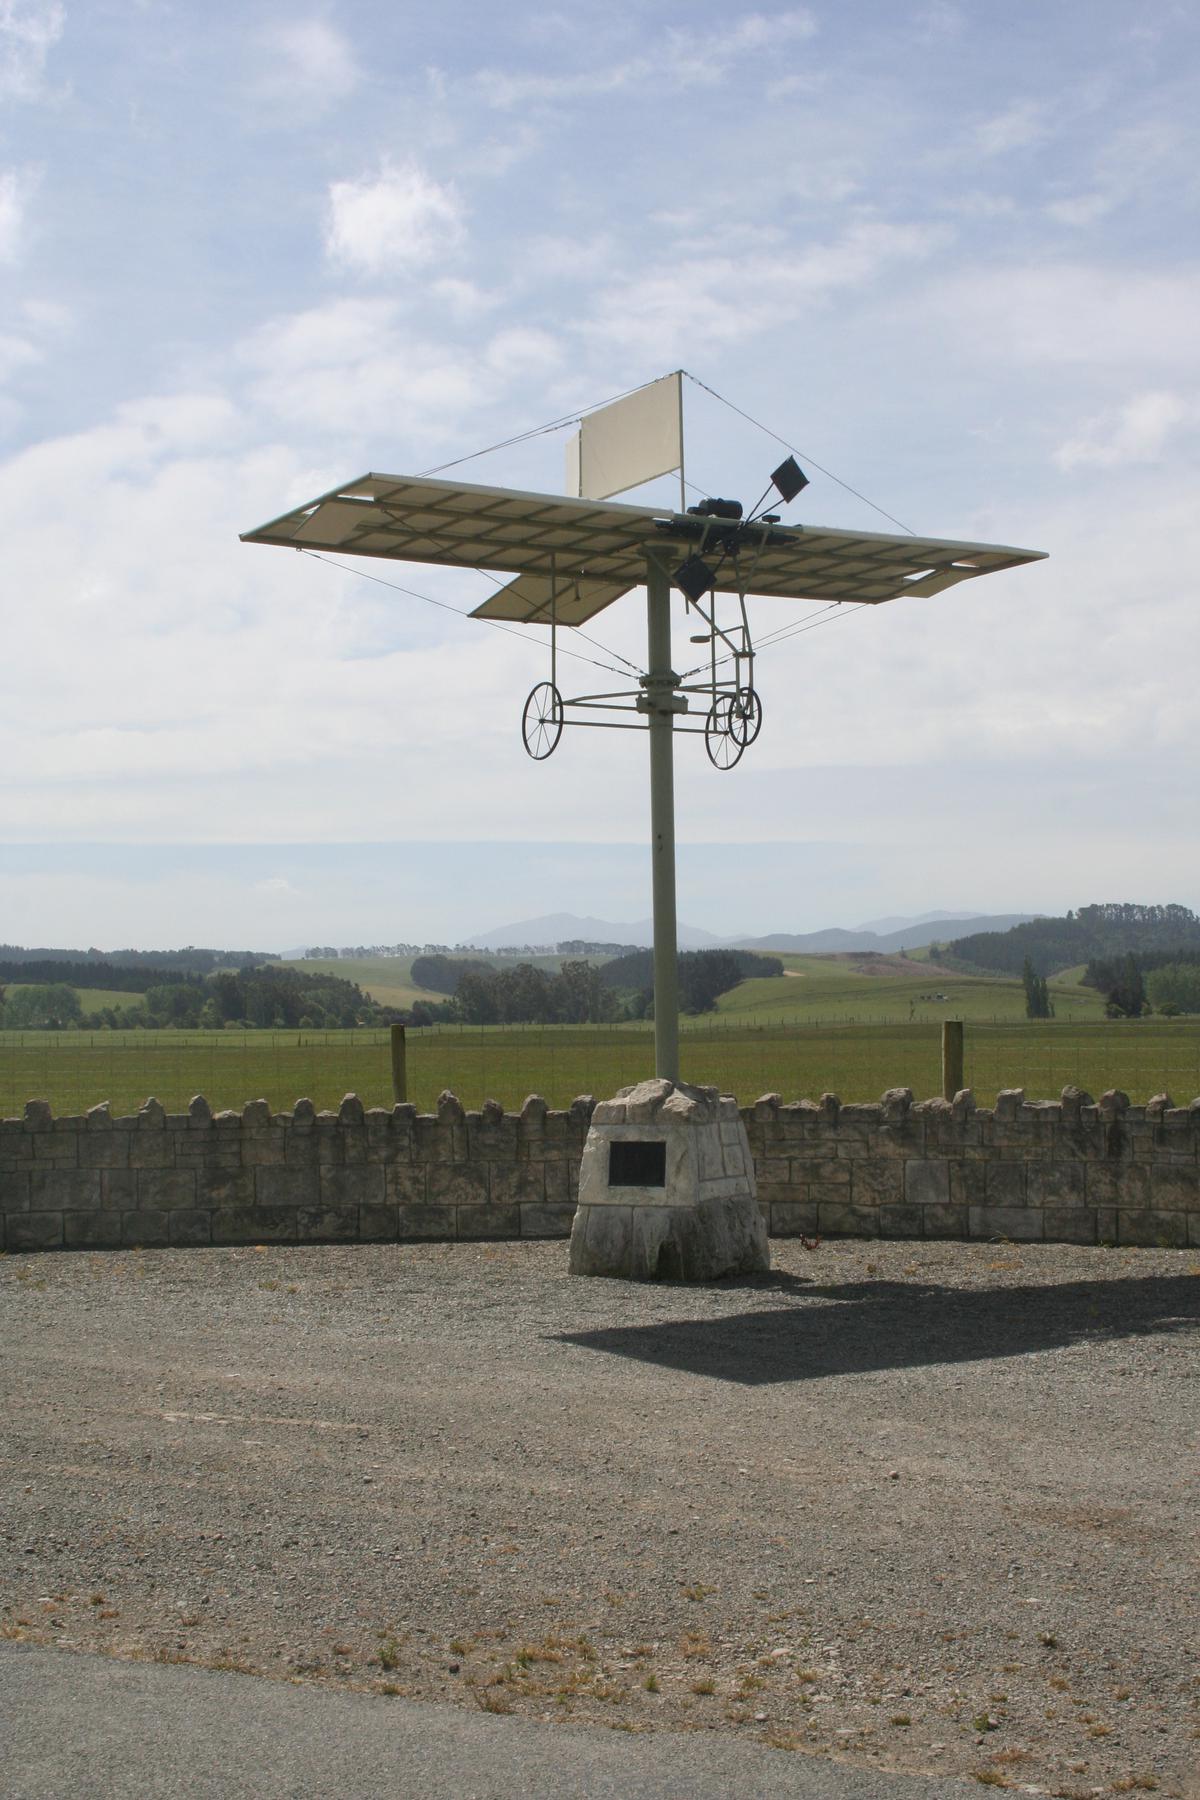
{"x": 928, "y": 1507}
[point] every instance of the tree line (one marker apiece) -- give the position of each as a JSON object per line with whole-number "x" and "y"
{"x": 579, "y": 993}
{"x": 272, "y": 997}
{"x": 1107, "y": 931}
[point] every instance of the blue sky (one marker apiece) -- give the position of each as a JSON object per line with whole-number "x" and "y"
{"x": 950, "y": 251}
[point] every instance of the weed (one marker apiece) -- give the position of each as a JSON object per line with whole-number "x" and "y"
{"x": 651, "y": 1683}
{"x": 1099, "y": 1730}
{"x": 389, "y": 1654}
{"x": 96, "y": 1600}
{"x": 989, "y": 1777}
{"x": 389, "y": 1687}
{"x": 460, "y": 1646}
{"x": 491, "y": 1702}
{"x": 698, "y": 1591}
{"x": 900, "y": 1719}
{"x": 706, "y": 1686}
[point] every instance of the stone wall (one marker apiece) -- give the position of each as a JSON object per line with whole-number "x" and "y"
{"x": 1068, "y": 1170}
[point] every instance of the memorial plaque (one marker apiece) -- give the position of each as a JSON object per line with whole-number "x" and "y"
{"x": 633, "y": 1164}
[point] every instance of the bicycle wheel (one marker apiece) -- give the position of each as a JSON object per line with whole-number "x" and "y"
{"x": 542, "y": 721}
{"x": 723, "y": 748}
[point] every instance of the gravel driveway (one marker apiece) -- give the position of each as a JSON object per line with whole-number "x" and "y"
{"x": 930, "y": 1507}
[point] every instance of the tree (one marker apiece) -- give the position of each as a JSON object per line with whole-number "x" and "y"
{"x": 1037, "y": 993}
{"x": 1127, "y": 1000}
{"x": 52, "y": 1006}
{"x": 1175, "y": 986}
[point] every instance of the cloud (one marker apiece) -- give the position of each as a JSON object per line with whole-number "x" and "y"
{"x": 1019, "y": 127}
{"x": 396, "y": 221}
{"x": 679, "y": 60}
{"x": 29, "y": 30}
{"x": 703, "y": 301}
{"x": 308, "y": 64}
{"x": 1134, "y": 433}
{"x": 16, "y": 186}
{"x": 1074, "y": 315}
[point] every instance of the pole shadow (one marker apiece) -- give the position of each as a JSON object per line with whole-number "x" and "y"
{"x": 865, "y": 1327}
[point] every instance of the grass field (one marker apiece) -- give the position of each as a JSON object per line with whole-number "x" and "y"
{"x": 388, "y": 979}
{"x": 855, "y": 990}
{"x": 91, "y": 999}
{"x": 742, "y": 1055}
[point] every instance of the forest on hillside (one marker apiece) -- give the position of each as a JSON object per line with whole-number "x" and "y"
{"x": 1115, "y": 929}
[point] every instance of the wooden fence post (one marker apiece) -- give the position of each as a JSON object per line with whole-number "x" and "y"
{"x": 399, "y": 1065}
{"x": 952, "y": 1057}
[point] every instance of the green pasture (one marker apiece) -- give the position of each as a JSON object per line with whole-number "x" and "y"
{"x": 744, "y": 1055}
{"x": 827, "y": 990}
{"x": 387, "y": 979}
{"x": 91, "y": 999}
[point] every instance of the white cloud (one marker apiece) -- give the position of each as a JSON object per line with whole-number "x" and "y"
{"x": 15, "y": 353}
{"x": 1082, "y": 209}
{"x": 29, "y": 30}
{"x": 1074, "y": 315}
{"x": 680, "y": 60}
{"x": 1017, "y": 128}
{"x": 398, "y": 220}
{"x": 16, "y": 186}
{"x": 307, "y": 64}
{"x": 1134, "y": 433}
{"x": 702, "y": 301}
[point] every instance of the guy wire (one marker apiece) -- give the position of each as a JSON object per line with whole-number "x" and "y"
{"x": 759, "y": 426}
{"x": 349, "y": 569}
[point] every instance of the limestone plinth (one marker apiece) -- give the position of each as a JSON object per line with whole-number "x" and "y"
{"x": 666, "y": 1188}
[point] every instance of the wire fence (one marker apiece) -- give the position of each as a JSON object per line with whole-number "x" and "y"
{"x": 78, "y": 1069}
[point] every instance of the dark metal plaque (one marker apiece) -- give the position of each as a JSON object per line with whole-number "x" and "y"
{"x": 633, "y": 1164}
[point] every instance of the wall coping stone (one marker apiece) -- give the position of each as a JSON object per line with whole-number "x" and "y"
{"x": 1072, "y": 1168}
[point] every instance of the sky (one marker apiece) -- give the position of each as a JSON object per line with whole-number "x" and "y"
{"x": 949, "y": 252}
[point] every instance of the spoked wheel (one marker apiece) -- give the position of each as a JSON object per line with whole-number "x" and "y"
{"x": 723, "y": 748}
{"x": 542, "y": 721}
{"x": 745, "y": 716}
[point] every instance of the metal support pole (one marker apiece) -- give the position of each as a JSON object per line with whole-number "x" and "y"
{"x": 660, "y": 683}
{"x": 399, "y": 1065}
{"x": 952, "y": 1057}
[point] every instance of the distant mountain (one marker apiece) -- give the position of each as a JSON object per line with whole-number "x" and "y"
{"x": 557, "y": 928}
{"x": 929, "y": 918}
{"x": 914, "y": 935}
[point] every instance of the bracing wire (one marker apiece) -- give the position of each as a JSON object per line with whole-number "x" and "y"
{"x": 577, "y": 629}
{"x": 759, "y": 426}
{"x": 521, "y": 437}
{"x": 381, "y": 581}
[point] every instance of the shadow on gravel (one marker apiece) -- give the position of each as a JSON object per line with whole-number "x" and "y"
{"x": 874, "y": 1325}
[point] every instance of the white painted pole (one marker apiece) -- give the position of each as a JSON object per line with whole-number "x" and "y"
{"x": 660, "y": 683}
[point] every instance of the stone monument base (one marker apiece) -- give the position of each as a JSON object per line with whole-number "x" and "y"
{"x": 666, "y": 1189}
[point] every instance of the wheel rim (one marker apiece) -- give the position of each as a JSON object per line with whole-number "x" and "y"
{"x": 542, "y": 721}
{"x": 723, "y": 748}
{"x": 745, "y": 716}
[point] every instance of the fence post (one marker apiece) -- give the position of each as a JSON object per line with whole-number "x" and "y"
{"x": 399, "y": 1065}
{"x": 952, "y": 1057}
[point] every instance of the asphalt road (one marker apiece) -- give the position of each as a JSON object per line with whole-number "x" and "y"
{"x": 73, "y": 1724}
